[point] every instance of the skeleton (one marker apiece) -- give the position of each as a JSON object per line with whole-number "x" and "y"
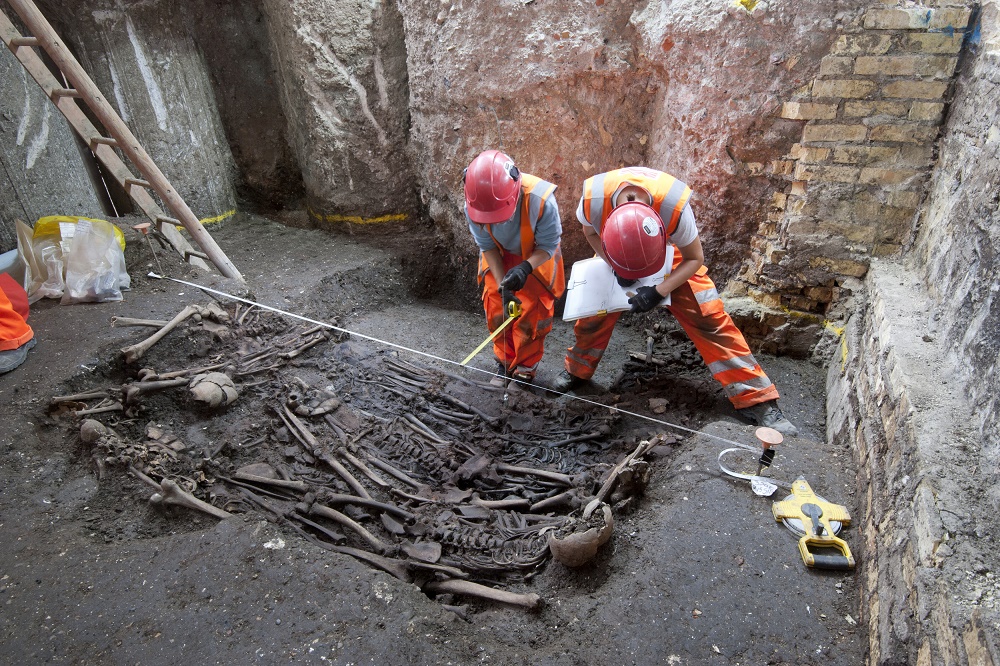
{"x": 394, "y": 465}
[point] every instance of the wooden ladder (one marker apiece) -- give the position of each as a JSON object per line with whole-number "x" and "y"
{"x": 84, "y": 90}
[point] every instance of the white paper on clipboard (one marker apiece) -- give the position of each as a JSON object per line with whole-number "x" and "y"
{"x": 593, "y": 289}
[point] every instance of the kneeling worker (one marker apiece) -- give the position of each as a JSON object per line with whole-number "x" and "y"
{"x": 629, "y": 216}
{"x": 514, "y": 220}
{"x": 16, "y": 337}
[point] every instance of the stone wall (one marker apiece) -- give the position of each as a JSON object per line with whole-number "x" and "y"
{"x": 957, "y": 250}
{"x": 913, "y": 392}
{"x": 926, "y": 537}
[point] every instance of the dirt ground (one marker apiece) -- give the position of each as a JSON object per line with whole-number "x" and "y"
{"x": 697, "y": 571}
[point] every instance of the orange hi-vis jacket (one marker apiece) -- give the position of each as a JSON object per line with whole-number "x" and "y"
{"x": 669, "y": 195}
{"x": 696, "y": 304}
{"x": 521, "y": 346}
{"x": 14, "y": 329}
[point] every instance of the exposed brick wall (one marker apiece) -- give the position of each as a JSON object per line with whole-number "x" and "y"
{"x": 871, "y": 120}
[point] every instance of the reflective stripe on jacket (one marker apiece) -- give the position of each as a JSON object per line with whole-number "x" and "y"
{"x": 669, "y": 194}
{"x": 550, "y": 273}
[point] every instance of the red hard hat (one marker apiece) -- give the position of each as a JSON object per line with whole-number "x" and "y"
{"x": 492, "y": 184}
{"x": 634, "y": 240}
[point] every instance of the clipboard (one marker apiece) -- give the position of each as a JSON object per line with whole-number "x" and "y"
{"x": 593, "y": 289}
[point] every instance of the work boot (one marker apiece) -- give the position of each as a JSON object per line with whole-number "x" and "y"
{"x": 566, "y": 382}
{"x": 769, "y": 415}
{"x": 12, "y": 358}
{"x": 500, "y": 378}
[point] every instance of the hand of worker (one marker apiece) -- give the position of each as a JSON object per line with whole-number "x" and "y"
{"x": 624, "y": 282}
{"x": 517, "y": 276}
{"x": 645, "y": 299}
{"x": 508, "y": 298}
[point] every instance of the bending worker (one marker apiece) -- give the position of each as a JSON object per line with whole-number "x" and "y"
{"x": 629, "y": 216}
{"x": 514, "y": 220}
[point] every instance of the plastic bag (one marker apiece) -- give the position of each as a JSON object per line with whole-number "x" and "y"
{"x": 77, "y": 259}
{"x": 95, "y": 265}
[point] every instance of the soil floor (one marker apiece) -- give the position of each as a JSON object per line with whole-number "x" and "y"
{"x": 697, "y": 570}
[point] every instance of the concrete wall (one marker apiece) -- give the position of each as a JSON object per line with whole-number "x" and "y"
{"x": 343, "y": 87}
{"x": 42, "y": 170}
{"x": 150, "y": 69}
{"x": 196, "y": 84}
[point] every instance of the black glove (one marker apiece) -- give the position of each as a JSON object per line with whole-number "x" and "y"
{"x": 517, "y": 276}
{"x": 508, "y": 298}
{"x": 624, "y": 282}
{"x": 645, "y": 299}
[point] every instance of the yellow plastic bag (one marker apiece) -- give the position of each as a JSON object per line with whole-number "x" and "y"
{"x": 77, "y": 259}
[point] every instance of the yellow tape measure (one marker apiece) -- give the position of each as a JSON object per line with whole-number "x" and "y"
{"x": 513, "y": 312}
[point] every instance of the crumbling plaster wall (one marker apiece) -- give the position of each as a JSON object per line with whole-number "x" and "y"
{"x": 574, "y": 88}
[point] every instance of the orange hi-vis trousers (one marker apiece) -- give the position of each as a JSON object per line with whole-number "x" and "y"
{"x": 520, "y": 346}
{"x": 14, "y": 329}
{"x": 701, "y": 314}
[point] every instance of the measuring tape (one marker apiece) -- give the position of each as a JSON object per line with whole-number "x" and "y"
{"x": 451, "y": 362}
{"x": 513, "y": 312}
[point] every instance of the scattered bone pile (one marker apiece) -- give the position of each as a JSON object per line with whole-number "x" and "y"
{"x": 428, "y": 475}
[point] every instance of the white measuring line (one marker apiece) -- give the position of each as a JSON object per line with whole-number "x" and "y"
{"x": 449, "y": 361}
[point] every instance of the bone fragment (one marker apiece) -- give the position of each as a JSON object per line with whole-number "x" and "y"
{"x": 386, "y": 564}
{"x": 136, "y": 351}
{"x": 392, "y": 471}
{"x": 134, "y": 390}
{"x": 91, "y": 431}
{"x": 168, "y": 492}
{"x": 152, "y": 376}
{"x": 375, "y": 478}
{"x": 77, "y": 397}
{"x": 540, "y": 473}
{"x": 315, "y": 509}
{"x": 101, "y": 409}
{"x": 315, "y": 448}
{"x": 333, "y": 535}
{"x": 339, "y": 499}
{"x": 469, "y": 588}
{"x": 609, "y": 483}
{"x": 277, "y": 483}
{"x": 570, "y": 497}
{"x": 424, "y": 551}
{"x": 518, "y": 503}
{"x": 423, "y": 429}
{"x": 129, "y": 321}
{"x": 214, "y": 389}
{"x": 469, "y": 408}
{"x": 646, "y": 358}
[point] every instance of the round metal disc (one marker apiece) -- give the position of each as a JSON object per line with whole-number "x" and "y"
{"x": 794, "y": 525}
